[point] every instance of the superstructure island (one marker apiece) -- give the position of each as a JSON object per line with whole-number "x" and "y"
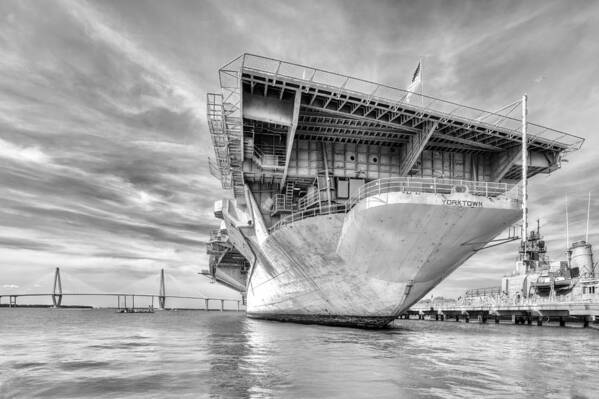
{"x": 350, "y": 199}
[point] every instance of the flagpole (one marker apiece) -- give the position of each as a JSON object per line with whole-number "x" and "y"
{"x": 422, "y": 81}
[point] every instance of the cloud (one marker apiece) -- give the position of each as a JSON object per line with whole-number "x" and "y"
{"x": 100, "y": 150}
{"x": 10, "y": 286}
{"x": 28, "y": 244}
{"x": 103, "y": 140}
{"x": 22, "y": 154}
{"x": 168, "y": 78}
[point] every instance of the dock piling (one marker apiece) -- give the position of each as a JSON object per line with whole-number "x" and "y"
{"x": 562, "y": 322}
{"x": 520, "y": 314}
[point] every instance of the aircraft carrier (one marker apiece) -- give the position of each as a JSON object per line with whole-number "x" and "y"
{"x": 350, "y": 200}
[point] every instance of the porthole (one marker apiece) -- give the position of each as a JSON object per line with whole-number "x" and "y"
{"x": 352, "y": 158}
{"x": 375, "y": 160}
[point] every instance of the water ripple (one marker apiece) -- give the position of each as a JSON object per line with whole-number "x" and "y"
{"x": 97, "y": 354}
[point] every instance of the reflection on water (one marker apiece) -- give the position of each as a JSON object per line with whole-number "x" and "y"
{"x": 101, "y": 354}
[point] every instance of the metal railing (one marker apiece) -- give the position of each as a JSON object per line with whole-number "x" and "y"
{"x": 218, "y": 236}
{"x": 220, "y": 166}
{"x": 270, "y": 157}
{"x": 435, "y": 186}
{"x": 281, "y": 204}
{"x": 318, "y": 211}
{"x": 436, "y": 303}
{"x": 308, "y": 200}
{"x": 408, "y": 185}
{"x": 480, "y": 292}
{"x": 232, "y": 123}
{"x": 339, "y": 84}
{"x": 501, "y": 301}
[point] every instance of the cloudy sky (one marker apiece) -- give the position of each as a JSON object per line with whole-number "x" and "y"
{"x": 103, "y": 134}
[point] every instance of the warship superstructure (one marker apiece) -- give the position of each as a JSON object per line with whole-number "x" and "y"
{"x": 538, "y": 288}
{"x": 350, "y": 199}
{"x": 536, "y": 276}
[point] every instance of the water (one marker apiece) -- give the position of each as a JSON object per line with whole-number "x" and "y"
{"x": 63, "y": 353}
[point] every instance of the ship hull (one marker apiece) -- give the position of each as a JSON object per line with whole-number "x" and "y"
{"x": 368, "y": 266}
{"x": 373, "y": 322}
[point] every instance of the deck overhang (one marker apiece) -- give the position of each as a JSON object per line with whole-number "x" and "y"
{"x": 303, "y": 103}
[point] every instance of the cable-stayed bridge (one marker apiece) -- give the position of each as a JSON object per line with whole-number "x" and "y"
{"x": 121, "y": 298}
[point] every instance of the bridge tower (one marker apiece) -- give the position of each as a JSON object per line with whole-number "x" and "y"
{"x": 57, "y": 293}
{"x": 162, "y": 293}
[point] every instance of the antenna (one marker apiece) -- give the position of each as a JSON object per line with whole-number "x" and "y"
{"x": 567, "y": 225}
{"x": 586, "y": 239}
{"x": 421, "y": 82}
{"x": 524, "y": 172}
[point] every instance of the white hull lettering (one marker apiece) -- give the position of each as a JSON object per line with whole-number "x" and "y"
{"x": 463, "y": 203}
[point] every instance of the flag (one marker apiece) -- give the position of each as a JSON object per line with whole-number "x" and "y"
{"x": 416, "y": 80}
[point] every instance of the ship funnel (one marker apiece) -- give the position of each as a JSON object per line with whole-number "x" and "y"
{"x": 581, "y": 257}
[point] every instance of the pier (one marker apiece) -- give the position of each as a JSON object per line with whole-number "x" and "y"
{"x": 161, "y": 298}
{"x": 579, "y": 309}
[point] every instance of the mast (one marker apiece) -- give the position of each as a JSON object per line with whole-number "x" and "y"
{"x": 524, "y": 174}
{"x": 586, "y": 238}
{"x": 567, "y": 226}
{"x": 421, "y": 81}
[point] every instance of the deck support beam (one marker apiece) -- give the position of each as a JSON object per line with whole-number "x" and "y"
{"x": 505, "y": 161}
{"x": 415, "y": 146}
{"x": 468, "y": 142}
{"x": 291, "y": 134}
